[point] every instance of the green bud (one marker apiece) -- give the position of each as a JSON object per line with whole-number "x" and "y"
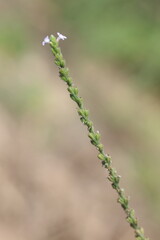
{"x": 102, "y": 157}
{"x": 75, "y": 90}
{"x": 83, "y": 113}
{"x": 97, "y": 136}
{"x": 100, "y": 147}
{"x": 91, "y": 136}
{"x": 123, "y": 201}
{"x": 70, "y": 89}
{"x": 69, "y": 81}
{"x": 89, "y": 125}
{"x": 79, "y": 102}
{"x": 53, "y": 40}
{"x": 63, "y": 72}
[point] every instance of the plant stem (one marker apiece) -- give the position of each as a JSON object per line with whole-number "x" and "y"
{"x": 94, "y": 136}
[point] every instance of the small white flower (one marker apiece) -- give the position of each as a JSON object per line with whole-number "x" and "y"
{"x": 46, "y": 40}
{"x": 60, "y": 36}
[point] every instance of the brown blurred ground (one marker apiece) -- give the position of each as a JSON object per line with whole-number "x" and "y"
{"x": 52, "y": 185}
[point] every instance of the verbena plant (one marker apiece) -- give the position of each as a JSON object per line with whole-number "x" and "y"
{"x": 94, "y": 136}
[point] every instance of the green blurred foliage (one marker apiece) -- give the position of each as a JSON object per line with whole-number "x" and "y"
{"x": 13, "y": 37}
{"x": 125, "y": 32}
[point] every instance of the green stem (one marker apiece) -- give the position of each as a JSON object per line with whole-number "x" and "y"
{"x": 94, "y": 136}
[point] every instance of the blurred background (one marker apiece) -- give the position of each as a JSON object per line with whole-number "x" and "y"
{"x": 52, "y": 185}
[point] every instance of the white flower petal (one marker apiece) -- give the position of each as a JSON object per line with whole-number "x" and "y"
{"x": 60, "y": 36}
{"x": 46, "y": 40}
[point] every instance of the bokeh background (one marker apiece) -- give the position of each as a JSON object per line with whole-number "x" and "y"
{"x": 52, "y": 185}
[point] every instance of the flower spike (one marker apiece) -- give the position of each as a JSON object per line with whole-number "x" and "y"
{"x": 94, "y": 136}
